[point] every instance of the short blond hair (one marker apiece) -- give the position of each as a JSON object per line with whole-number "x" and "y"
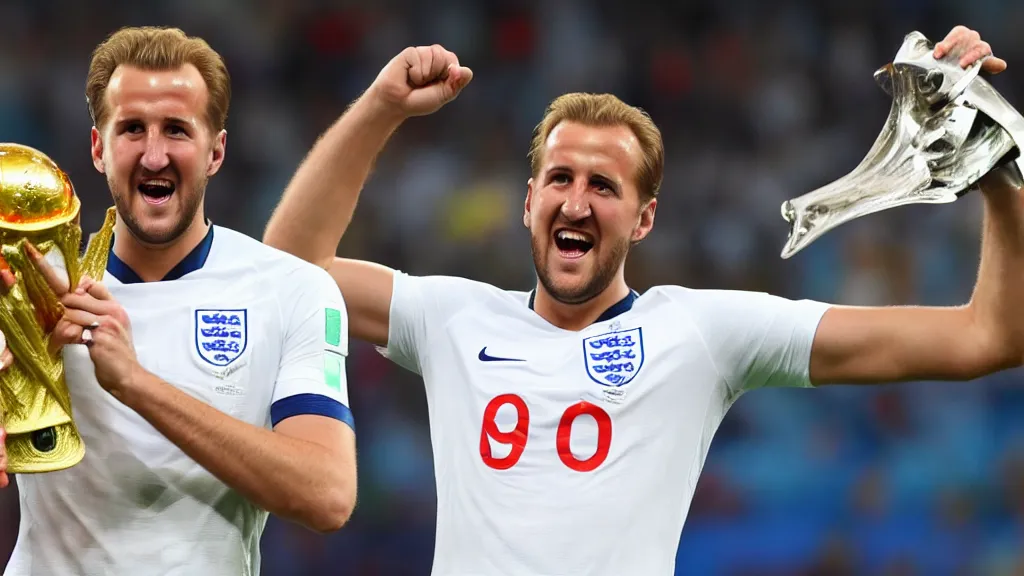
{"x": 153, "y": 48}
{"x": 605, "y": 110}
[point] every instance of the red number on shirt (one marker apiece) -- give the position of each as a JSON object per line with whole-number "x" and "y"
{"x": 516, "y": 438}
{"x": 604, "y": 436}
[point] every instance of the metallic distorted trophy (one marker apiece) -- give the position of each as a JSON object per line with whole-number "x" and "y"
{"x": 38, "y": 205}
{"x": 946, "y": 129}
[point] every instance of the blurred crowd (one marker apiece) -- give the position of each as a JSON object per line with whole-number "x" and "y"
{"x": 759, "y": 101}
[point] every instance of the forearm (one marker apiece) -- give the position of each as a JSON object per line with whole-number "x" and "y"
{"x": 996, "y": 305}
{"x": 318, "y": 203}
{"x": 291, "y": 478}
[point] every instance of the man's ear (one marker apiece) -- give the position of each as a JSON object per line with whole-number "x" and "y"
{"x": 529, "y": 199}
{"x": 645, "y": 221}
{"x": 96, "y": 148}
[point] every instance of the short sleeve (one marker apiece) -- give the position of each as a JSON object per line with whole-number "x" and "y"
{"x": 755, "y": 339}
{"x": 311, "y": 376}
{"x": 417, "y": 303}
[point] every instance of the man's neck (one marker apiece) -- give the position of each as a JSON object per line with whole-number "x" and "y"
{"x": 576, "y": 317}
{"x": 153, "y": 262}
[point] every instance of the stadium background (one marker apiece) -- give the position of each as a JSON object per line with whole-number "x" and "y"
{"x": 758, "y": 102}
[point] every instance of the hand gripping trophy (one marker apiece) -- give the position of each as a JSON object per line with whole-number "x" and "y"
{"x": 38, "y": 205}
{"x": 947, "y": 128}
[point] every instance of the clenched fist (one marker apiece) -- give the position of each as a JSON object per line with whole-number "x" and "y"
{"x": 420, "y": 80}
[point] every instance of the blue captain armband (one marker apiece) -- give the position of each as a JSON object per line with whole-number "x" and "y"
{"x": 315, "y": 404}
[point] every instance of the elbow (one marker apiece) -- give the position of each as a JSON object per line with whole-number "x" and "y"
{"x": 1011, "y": 358}
{"x": 335, "y": 514}
{"x": 990, "y": 358}
{"x": 994, "y": 351}
{"x": 988, "y": 368}
{"x": 331, "y": 512}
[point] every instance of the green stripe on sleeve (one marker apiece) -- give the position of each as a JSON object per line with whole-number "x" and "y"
{"x": 332, "y": 326}
{"x": 332, "y": 370}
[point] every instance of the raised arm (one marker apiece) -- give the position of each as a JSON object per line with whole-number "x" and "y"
{"x": 869, "y": 345}
{"x": 318, "y": 204}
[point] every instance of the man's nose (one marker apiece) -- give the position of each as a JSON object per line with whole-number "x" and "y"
{"x": 155, "y": 158}
{"x": 577, "y": 204}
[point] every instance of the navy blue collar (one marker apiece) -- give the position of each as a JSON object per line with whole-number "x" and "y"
{"x": 194, "y": 261}
{"x": 620, "y": 307}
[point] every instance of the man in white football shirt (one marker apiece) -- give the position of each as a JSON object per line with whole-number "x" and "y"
{"x": 570, "y": 424}
{"x": 210, "y": 389}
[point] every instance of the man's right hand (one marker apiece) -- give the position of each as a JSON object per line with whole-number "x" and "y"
{"x": 419, "y": 81}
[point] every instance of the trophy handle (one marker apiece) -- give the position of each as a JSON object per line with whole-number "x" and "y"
{"x": 94, "y": 261}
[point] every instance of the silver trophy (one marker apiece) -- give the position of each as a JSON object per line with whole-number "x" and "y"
{"x": 946, "y": 129}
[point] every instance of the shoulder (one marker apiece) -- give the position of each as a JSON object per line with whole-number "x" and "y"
{"x": 697, "y": 298}
{"x": 726, "y": 312}
{"x": 269, "y": 265}
{"x": 714, "y": 309}
{"x": 456, "y": 289}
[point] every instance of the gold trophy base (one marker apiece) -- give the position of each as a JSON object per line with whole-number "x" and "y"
{"x": 44, "y": 450}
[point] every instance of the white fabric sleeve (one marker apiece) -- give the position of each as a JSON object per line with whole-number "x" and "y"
{"x": 311, "y": 376}
{"x": 755, "y": 339}
{"x": 417, "y": 304}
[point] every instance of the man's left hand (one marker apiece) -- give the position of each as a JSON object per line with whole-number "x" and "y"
{"x": 968, "y": 45}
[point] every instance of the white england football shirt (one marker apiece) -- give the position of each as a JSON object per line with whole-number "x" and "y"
{"x": 250, "y": 330}
{"x": 577, "y": 453}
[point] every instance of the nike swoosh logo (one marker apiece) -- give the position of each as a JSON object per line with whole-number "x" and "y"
{"x": 484, "y": 357}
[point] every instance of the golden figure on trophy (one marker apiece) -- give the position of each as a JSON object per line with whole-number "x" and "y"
{"x": 38, "y": 205}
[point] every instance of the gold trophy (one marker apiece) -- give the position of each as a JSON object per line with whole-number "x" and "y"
{"x": 38, "y": 204}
